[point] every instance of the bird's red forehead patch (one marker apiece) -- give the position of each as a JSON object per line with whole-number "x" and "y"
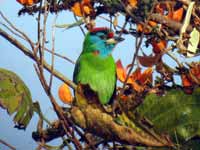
{"x": 110, "y": 35}
{"x": 94, "y": 30}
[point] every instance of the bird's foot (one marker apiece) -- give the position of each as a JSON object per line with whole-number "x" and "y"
{"x": 116, "y": 109}
{"x": 107, "y": 108}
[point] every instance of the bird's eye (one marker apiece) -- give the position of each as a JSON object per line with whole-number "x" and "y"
{"x": 102, "y": 37}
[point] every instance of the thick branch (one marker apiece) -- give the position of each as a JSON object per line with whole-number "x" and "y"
{"x": 95, "y": 121}
{"x": 174, "y": 25}
{"x": 103, "y": 125}
{"x": 28, "y": 53}
{"x": 49, "y": 134}
{"x": 53, "y": 9}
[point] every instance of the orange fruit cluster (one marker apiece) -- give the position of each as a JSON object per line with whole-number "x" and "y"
{"x": 64, "y": 94}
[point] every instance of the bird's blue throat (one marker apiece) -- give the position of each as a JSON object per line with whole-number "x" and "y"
{"x": 100, "y": 45}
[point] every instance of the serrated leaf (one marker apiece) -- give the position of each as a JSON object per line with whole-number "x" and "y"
{"x": 15, "y": 97}
{"x": 193, "y": 42}
{"x": 175, "y": 113}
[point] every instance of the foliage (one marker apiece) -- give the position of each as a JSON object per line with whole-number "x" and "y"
{"x": 151, "y": 106}
{"x": 15, "y": 97}
{"x": 175, "y": 112}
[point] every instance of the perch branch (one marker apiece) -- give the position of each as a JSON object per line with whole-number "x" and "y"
{"x": 103, "y": 125}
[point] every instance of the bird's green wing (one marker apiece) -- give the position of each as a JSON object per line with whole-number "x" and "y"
{"x": 99, "y": 73}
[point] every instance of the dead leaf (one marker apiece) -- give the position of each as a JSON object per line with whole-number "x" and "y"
{"x": 148, "y": 61}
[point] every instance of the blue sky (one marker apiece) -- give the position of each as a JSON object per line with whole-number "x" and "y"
{"x": 68, "y": 43}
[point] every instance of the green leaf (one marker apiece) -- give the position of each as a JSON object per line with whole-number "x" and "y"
{"x": 192, "y": 144}
{"x": 68, "y": 26}
{"x": 15, "y": 97}
{"x": 175, "y": 113}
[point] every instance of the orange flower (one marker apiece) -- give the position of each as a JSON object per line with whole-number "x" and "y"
{"x": 27, "y": 2}
{"x": 132, "y": 3}
{"x": 146, "y": 76}
{"x": 137, "y": 79}
{"x": 140, "y": 27}
{"x": 160, "y": 8}
{"x": 178, "y": 14}
{"x": 65, "y": 94}
{"x": 82, "y": 8}
{"x": 158, "y": 46}
{"x": 186, "y": 81}
{"x": 121, "y": 72}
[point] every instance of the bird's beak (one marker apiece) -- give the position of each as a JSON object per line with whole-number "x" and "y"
{"x": 114, "y": 40}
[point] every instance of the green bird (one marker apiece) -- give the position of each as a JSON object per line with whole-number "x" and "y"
{"x": 95, "y": 67}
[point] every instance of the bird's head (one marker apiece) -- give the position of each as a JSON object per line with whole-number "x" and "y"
{"x": 100, "y": 41}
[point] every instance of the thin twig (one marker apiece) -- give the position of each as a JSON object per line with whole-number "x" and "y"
{"x": 46, "y": 87}
{"x": 111, "y": 22}
{"x": 56, "y": 107}
{"x": 53, "y": 50}
{"x": 30, "y": 54}
{"x": 44, "y": 33}
{"x": 66, "y": 143}
{"x": 19, "y": 31}
{"x": 9, "y": 29}
{"x": 121, "y": 28}
{"x": 174, "y": 58}
{"x": 82, "y": 30}
{"x": 59, "y": 55}
{"x": 8, "y": 145}
{"x": 137, "y": 45}
{"x": 39, "y": 29}
{"x": 104, "y": 18}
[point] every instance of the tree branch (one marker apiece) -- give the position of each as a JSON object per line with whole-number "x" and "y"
{"x": 103, "y": 125}
{"x": 10, "y": 146}
{"x": 176, "y": 26}
{"x": 28, "y": 53}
